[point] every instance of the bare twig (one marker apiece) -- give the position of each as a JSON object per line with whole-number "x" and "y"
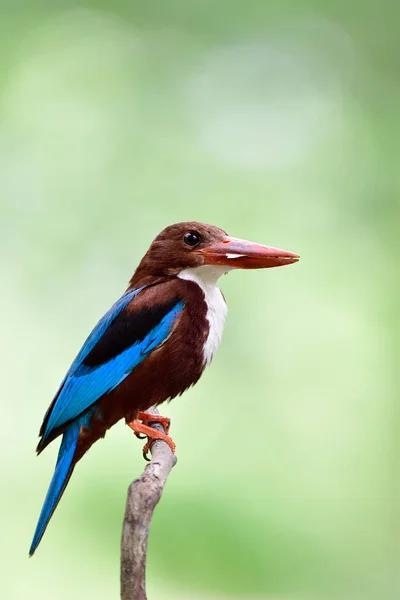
{"x": 143, "y": 496}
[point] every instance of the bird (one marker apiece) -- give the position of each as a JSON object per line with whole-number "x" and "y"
{"x": 151, "y": 345}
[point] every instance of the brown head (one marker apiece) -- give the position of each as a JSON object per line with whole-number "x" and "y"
{"x": 191, "y": 244}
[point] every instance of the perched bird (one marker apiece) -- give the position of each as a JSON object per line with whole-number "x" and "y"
{"x": 152, "y": 344}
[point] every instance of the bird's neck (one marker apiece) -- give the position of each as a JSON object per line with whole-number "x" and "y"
{"x": 143, "y": 278}
{"x": 206, "y": 277}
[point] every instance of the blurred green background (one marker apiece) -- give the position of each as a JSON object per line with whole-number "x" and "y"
{"x": 279, "y": 122}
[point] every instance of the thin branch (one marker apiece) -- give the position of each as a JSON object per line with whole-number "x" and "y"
{"x": 143, "y": 496}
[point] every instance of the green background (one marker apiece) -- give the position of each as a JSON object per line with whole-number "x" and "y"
{"x": 279, "y": 122}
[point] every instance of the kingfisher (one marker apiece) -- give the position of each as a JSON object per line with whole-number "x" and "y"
{"x": 152, "y": 345}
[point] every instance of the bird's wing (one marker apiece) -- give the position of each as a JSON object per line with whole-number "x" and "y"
{"x": 121, "y": 340}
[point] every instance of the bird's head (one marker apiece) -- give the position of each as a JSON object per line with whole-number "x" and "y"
{"x": 190, "y": 245}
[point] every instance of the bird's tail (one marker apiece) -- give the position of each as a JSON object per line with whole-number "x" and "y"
{"x": 63, "y": 471}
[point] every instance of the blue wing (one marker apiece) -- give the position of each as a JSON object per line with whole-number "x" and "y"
{"x": 119, "y": 342}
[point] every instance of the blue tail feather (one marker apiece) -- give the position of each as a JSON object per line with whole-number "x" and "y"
{"x": 62, "y": 473}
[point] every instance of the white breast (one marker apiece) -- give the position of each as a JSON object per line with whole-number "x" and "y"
{"x": 206, "y": 277}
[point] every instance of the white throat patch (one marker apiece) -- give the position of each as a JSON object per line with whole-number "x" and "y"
{"x": 206, "y": 278}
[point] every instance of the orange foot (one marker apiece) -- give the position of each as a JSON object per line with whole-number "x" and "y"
{"x": 143, "y": 425}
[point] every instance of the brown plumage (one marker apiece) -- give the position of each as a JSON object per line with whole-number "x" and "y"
{"x": 167, "y": 372}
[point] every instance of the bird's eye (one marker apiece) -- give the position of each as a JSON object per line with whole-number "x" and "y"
{"x": 191, "y": 238}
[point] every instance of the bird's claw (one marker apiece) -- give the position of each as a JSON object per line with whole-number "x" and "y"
{"x": 146, "y": 449}
{"x": 149, "y": 419}
{"x": 142, "y": 425}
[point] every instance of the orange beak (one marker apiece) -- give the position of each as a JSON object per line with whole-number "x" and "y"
{"x": 241, "y": 254}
